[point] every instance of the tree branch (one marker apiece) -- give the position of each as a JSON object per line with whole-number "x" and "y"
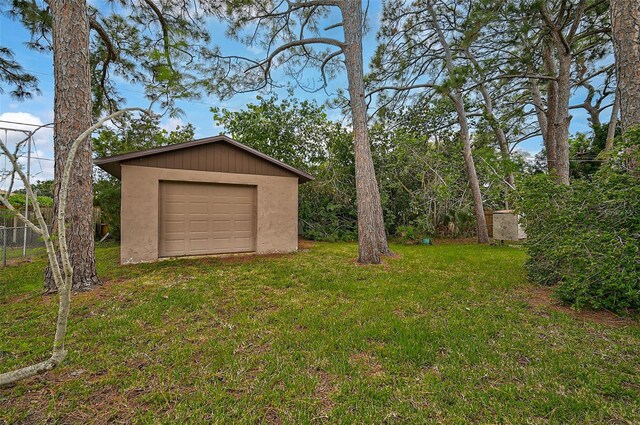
{"x": 319, "y": 40}
{"x": 165, "y": 31}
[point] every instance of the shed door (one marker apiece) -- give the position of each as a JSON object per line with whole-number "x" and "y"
{"x": 206, "y": 218}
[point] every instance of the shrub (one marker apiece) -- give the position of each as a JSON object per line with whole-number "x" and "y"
{"x": 19, "y": 200}
{"x": 107, "y": 197}
{"x": 408, "y": 234}
{"x": 585, "y": 238}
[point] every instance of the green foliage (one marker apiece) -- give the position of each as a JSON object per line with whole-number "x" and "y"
{"x": 328, "y": 204}
{"x": 586, "y": 151}
{"x": 300, "y": 134}
{"x": 22, "y": 84}
{"x": 41, "y": 187}
{"x": 159, "y": 48}
{"x": 409, "y": 235}
{"x": 585, "y": 238}
{"x": 420, "y": 171}
{"x": 626, "y": 152}
{"x": 131, "y": 134}
{"x": 107, "y": 197}
{"x": 19, "y": 200}
{"x": 293, "y": 131}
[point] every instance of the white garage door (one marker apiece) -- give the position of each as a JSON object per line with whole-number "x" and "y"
{"x": 205, "y": 218}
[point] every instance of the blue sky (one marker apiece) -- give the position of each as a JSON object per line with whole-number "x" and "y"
{"x": 39, "y": 110}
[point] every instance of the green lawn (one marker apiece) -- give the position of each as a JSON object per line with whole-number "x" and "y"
{"x": 438, "y": 334}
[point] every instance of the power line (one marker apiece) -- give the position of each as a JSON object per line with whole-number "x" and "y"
{"x": 42, "y": 159}
{"x": 25, "y": 123}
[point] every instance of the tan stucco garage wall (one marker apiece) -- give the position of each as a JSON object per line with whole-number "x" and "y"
{"x": 277, "y": 209}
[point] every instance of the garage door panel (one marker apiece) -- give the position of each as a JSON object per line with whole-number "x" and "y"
{"x": 172, "y": 247}
{"x": 172, "y": 226}
{"x": 174, "y": 207}
{"x": 243, "y": 226}
{"x": 198, "y": 219}
{"x": 243, "y": 209}
{"x": 199, "y": 245}
{"x": 199, "y": 226}
{"x": 221, "y": 218}
{"x": 221, "y": 208}
{"x": 244, "y": 241}
{"x": 201, "y": 207}
{"x": 219, "y": 226}
{"x": 220, "y": 244}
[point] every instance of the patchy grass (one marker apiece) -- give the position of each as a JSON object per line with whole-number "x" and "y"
{"x": 447, "y": 333}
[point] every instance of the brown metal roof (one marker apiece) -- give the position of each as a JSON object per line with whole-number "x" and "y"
{"x": 112, "y": 164}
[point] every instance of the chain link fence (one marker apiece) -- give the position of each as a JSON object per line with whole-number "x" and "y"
{"x": 16, "y": 242}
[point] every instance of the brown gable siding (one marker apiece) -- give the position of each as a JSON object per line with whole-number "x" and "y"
{"x": 220, "y": 157}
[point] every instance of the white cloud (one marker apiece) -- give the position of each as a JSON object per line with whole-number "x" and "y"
{"x": 15, "y": 127}
{"x": 171, "y": 123}
{"x": 528, "y": 157}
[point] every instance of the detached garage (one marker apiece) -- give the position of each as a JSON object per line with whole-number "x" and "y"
{"x": 207, "y": 196}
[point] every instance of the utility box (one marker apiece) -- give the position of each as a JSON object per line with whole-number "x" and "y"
{"x": 506, "y": 226}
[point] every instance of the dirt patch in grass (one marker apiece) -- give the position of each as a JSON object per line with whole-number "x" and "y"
{"x": 368, "y": 363}
{"x": 272, "y": 416}
{"x": 105, "y": 405}
{"x": 18, "y": 261}
{"x": 385, "y": 259}
{"x": 541, "y": 297}
{"x": 246, "y": 258}
{"x": 305, "y": 244}
{"x": 324, "y": 391}
{"x": 40, "y": 297}
{"x": 19, "y": 298}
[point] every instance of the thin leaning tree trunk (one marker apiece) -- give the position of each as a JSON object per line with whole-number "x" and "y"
{"x": 458, "y": 100}
{"x": 72, "y": 106}
{"x": 372, "y": 238}
{"x": 62, "y": 277}
{"x": 493, "y": 121}
{"x": 499, "y": 133}
{"x": 58, "y": 353}
{"x": 478, "y": 208}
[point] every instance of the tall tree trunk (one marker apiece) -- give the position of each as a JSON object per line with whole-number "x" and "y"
{"x": 563, "y": 118}
{"x": 552, "y": 106}
{"x": 372, "y": 239}
{"x": 625, "y": 25}
{"x": 474, "y": 184}
{"x": 458, "y": 100}
{"x": 72, "y": 108}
